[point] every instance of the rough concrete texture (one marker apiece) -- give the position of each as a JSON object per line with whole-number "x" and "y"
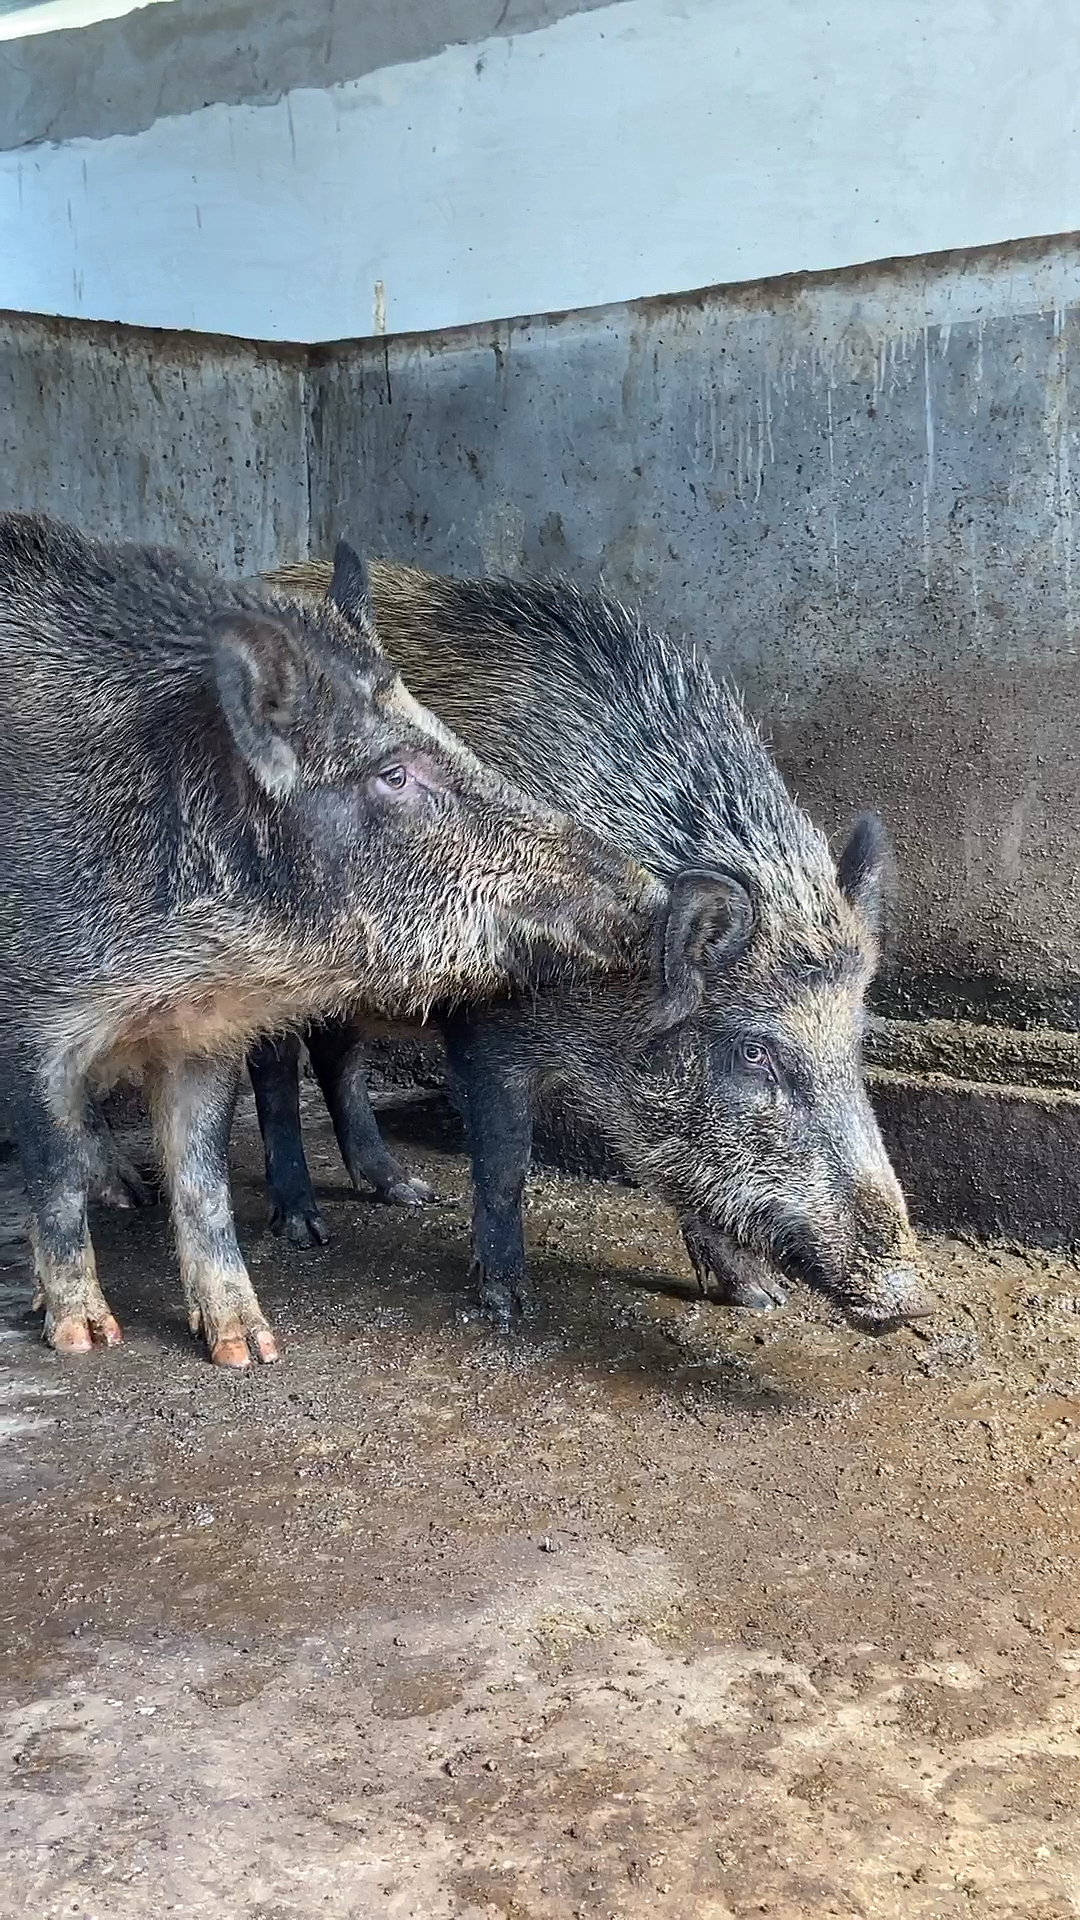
{"x": 966, "y": 1050}
{"x": 652, "y": 1610}
{"x": 145, "y": 436}
{"x": 987, "y": 1160}
{"x": 856, "y": 489}
{"x": 119, "y": 76}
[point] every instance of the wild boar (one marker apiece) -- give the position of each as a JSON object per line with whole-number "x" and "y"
{"x": 743, "y": 1102}
{"x": 220, "y": 814}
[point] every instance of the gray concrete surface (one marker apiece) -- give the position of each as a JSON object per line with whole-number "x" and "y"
{"x": 119, "y": 76}
{"x": 195, "y": 443}
{"x": 528, "y": 173}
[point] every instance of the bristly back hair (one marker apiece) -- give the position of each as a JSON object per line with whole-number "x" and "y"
{"x": 158, "y": 606}
{"x": 574, "y": 696}
{"x": 679, "y": 770}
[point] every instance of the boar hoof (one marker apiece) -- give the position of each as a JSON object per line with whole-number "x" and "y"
{"x": 500, "y": 1299}
{"x": 125, "y": 1188}
{"x": 233, "y": 1330}
{"x": 234, "y": 1345}
{"x": 231, "y": 1352}
{"x": 301, "y": 1226}
{"x": 731, "y": 1275}
{"x": 731, "y": 1291}
{"x": 78, "y": 1333}
{"x": 115, "y": 1193}
{"x": 410, "y": 1192}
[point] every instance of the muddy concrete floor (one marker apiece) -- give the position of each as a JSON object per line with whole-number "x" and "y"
{"x": 654, "y": 1609}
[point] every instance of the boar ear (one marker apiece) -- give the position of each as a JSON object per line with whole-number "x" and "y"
{"x": 709, "y": 919}
{"x": 866, "y": 871}
{"x": 350, "y": 590}
{"x": 261, "y": 682}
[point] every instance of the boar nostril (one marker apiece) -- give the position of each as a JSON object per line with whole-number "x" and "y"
{"x": 900, "y": 1301}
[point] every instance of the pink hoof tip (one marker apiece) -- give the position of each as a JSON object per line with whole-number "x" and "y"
{"x": 231, "y": 1351}
{"x": 106, "y": 1332}
{"x": 70, "y": 1336}
{"x": 265, "y": 1345}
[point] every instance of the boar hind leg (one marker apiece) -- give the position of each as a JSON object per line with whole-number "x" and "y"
{"x": 337, "y": 1056}
{"x": 274, "y": 1067}
{"x": 192, "y": 1101}
{"x": 56, "y": 1166}
{"x": 498, "y": 1106}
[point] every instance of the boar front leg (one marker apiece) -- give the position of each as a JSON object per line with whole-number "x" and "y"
{"x": 729, "y": 1274}
{"x": 192, "y": 1102}
{"x": 56, "y": 1164}
{"x": 274, "y": 1068}
{"x": 337, "y": 1056}
{"x": 114, "y": 1179}
{"x": 338, "y": 1059}
{"x": 497, "y": 1101}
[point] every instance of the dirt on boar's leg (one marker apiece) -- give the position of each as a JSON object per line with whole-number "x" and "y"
{"x": 192, "y": 1102}
{"x": 56, "y": 1162}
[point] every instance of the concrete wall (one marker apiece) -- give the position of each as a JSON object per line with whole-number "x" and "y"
{"x": 858, "y": 489}
{"x": 343, "y": 170}
{"x": 18, "y": 18}
{"x": 175, "y": 56}
{"x": 193, "y": 442}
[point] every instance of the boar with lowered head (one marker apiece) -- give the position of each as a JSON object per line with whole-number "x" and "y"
{"x": 740, "y": 1099}
{"x": 219, "y": 815}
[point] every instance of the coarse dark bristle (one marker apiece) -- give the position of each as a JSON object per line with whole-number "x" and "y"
{"x": 654, "y": 750}
{"x": 123, "y": 601}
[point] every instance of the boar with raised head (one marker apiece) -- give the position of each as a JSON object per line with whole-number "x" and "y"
{"x": 220, "y": 814}
{"x": 739, "y": 1098}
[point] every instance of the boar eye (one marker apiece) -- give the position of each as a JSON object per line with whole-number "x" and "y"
{"x": 412, "y": 779}
{"x": 756, "y": 1058}
{"x": 393, "y": 779}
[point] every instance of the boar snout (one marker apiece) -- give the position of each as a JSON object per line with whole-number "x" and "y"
{"x": 895, "y": 1297}
{"x": 884, "y": 1288}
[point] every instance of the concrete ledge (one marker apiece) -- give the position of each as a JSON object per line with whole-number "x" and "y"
{"x": 998, "y": 1162}
{"x": 1042, "y": 1057}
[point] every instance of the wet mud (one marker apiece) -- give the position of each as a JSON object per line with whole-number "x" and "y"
{"x": 651, "y": 1609}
